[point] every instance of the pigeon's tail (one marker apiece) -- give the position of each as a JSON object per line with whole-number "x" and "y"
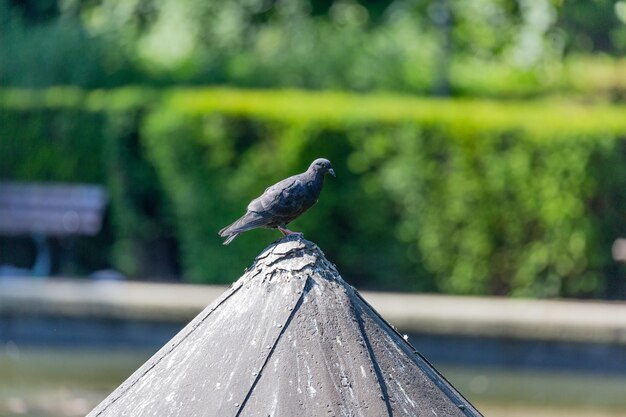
{"x": 226, "y": 230}
{"x": 230, "y": 238}
{"x": 249, "y": 221}
{"x": 236, "y": 227}
{"x": 229, "y": 233}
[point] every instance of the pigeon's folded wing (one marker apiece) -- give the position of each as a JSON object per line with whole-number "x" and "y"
{"x": 279, "y": 199}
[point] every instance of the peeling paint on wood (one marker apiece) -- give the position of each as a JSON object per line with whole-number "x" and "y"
{"x": 289, "y": 338}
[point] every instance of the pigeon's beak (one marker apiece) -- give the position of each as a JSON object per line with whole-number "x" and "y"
{"x": 332, "y": 172}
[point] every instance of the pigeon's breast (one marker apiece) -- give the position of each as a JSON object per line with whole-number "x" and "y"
{"x": 314, "y": 188}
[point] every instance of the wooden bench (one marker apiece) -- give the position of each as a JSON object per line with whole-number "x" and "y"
{"x": 43, "y": 210}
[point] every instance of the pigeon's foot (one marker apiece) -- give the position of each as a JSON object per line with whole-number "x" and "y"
{"x": 287, "y": 232}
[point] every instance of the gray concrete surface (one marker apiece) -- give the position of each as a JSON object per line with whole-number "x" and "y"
{"x": 549, "y": 320}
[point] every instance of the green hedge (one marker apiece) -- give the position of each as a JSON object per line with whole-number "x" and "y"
{"x": 463, "y": 196}
{"x": 458, "y": 196}
{"x": 65, "y": 134}
{"x": 50, "y": 144}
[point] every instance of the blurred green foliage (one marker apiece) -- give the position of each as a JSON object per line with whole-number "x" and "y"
{"x": 65, "y": 134}
{"x": 460, "y": 196}
{"x": 57, "y": 144}
{"x": 212, "y": 165}
{"x": 463, "y": 196}
{"x": 459, "y": 47}
{"x": 467, "y": 195}
{"x": 49, "y": 143}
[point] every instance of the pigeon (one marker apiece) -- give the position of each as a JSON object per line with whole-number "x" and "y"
{"x": 283, "y": 202}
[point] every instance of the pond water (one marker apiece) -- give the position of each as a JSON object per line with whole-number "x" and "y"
{"x": 69, "y": 383}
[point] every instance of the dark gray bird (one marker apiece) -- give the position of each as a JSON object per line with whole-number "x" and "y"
{"x": 282, "y": 202}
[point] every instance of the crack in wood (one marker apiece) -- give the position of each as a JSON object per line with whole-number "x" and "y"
{"x": 372, "y": 357}
{"x": 303, "y": 292}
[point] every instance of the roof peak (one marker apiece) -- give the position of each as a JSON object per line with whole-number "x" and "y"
{"x": 292, "y": 254}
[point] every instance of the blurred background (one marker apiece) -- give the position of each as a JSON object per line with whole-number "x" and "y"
{"x": 480, "y": 150}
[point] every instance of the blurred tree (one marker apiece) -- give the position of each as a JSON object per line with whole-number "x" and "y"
{"x": 591, "y": 25}
{"x": 410, "y": 45}
{"x": 36, "y": 11}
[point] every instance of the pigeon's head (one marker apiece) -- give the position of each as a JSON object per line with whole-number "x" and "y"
{"x": 322, "y": 166}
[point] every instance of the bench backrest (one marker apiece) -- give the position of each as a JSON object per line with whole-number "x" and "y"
{"x": 51, "y": 209}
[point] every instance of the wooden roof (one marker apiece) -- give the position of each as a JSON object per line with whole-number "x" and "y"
{"x": 289, "y": 338}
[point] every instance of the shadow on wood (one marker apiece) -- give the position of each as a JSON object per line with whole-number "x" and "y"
{"x": 289, "y": 338}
